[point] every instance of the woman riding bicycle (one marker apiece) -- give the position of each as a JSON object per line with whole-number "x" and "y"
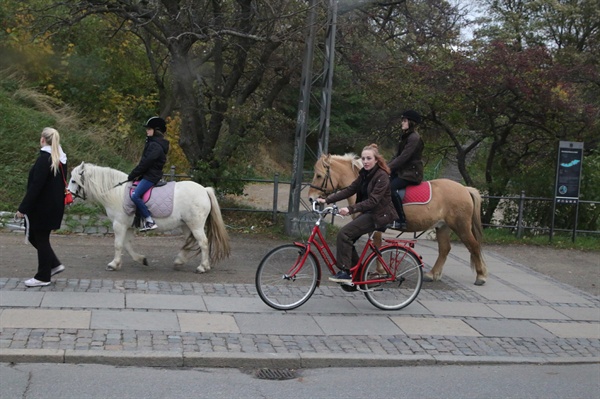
{"x": 373, "y": 202}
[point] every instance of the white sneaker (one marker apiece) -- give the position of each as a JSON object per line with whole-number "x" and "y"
{"x": 33, "y": 282}
{"x": 149, "y": 226}
{"x": 57, "y": 269}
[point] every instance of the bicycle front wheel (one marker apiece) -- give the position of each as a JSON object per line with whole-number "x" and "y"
{"x": 283, "y": 280}
{"x": 393, "y": 293}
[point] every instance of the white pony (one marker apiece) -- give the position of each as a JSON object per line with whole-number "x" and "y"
{"x": 193, "y": 205}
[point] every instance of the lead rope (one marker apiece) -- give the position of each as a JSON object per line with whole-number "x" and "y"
{"x": 26, "y": 229}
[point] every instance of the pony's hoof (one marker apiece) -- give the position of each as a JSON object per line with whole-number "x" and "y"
{"x": 200, "y": 270}
{"x": 427, "y": 278}
{"x": 177, "y": 267}
{"x": 111, "y": 268}
{"x": 479, "y": 281}
{"x": 145, "y": 261}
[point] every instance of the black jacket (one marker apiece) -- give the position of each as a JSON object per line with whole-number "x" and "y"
{"x": 153, "y": 159}
{"x": 44, "y": 201}
{"x": 375, "y": 198}
{"x": 408, "y": 163}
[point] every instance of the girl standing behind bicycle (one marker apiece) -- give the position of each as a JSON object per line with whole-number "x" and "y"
{"x": 373, "y": 202}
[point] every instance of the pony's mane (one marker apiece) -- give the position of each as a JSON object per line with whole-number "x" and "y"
{"x": 350, "y": 157}
{"x": 100, "y": 182}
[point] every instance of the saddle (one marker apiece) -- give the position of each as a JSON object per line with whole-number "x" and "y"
{"x": 159, "y": 199}
{"x": 418, "y": 194}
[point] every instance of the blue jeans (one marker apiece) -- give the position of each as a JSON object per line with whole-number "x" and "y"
{"x": 143, "y": 186}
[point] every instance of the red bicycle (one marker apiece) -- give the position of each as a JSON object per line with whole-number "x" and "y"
{"x": 390, "y": 276}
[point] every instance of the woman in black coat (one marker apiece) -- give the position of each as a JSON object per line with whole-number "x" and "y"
{"x": 373, "y": 202}
{"x": 407, "y": 165}
{"x": 44, "y": 204}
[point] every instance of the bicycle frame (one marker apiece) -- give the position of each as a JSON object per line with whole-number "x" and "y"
{"x": 369, "y": 251}
{"x": 390, "y": 277}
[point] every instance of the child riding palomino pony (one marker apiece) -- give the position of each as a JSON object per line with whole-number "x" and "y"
{"x": 453, "y": 207}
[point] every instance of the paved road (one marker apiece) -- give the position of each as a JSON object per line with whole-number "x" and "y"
{"x": 519, "y": 316}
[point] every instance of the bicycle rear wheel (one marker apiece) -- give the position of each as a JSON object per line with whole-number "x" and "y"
{"x": 393, "y": 294}
{"x": 274, "y": 281}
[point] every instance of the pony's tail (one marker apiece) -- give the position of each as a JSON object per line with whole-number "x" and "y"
{"x": 218, "y": 238}
{"x": 476, "y": 226}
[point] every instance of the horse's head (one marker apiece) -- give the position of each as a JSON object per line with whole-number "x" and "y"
{"x": 77, "y": 181}
{"x": 322, "y": 183}
{"x": 333, "y": 172}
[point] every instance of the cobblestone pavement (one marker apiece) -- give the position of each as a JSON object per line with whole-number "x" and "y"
{"x": 139, "y": 322}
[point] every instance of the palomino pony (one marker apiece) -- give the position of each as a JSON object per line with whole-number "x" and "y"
{"x": 453, "y": 207}
{"x": 193, "y": 206}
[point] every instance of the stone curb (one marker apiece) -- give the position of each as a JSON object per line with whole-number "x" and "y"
{"x": 264, "y": 360}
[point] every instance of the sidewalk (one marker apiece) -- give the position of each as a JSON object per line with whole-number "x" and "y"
{"x": 519, "y": 316}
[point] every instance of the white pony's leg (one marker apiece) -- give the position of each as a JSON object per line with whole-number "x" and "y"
{"x": 129, "y": 247}
{"x": 120, "y": 232}
{"x": 183, "y": 255}
{"x": 203, "y": 243}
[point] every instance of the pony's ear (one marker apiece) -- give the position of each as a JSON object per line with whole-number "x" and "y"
{"x": 327, "y": 159}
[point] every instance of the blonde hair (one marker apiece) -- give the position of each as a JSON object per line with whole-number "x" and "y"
{"x": 380, "y": 159}
{"x": 53, "y": 140}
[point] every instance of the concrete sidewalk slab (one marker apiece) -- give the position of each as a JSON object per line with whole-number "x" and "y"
{"x": 551, "y": 292}
{"x": 461, "y": 309}
{"x": 45, "y": 318}
{"x": 131, "y": 320}
{"x": 204, "y": 322}
{"x": 357, "y": 325}
{"x": 446, "y": 327}
{"x": 235, "y": 305}
{"x": 165, "y": 302}
{"x": 91, "y": 300}
{"x": 582, "y": 314}
{"x": 528, "y": 312}
{"x": 363, "y": 306}
{"x": 572, "y": 330}
{"x": 509, "y": 328}
{"x": 277, "y": 324}
{"x": 494, "y": 290}
{"x": 15, "y": 299}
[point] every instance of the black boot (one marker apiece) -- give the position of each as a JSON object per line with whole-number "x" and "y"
{"x": 400, "y": 223}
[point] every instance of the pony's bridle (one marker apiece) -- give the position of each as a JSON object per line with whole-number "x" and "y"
{"x": 326, "y": 179}
{"x": 80, "y": 187}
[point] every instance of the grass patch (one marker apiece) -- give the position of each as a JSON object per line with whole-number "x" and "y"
{"x": 560, "y": 240}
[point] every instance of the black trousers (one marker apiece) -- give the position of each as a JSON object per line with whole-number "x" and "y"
{"x": 47, "y": 260}
{"x": 346, "y": 254}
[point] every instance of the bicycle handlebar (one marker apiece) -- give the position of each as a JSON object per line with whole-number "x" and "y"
{"x": 325, "y": 211}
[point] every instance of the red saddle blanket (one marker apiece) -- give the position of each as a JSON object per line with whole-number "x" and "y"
{"x": 159, "y": 200}
{"x": 418, "y": 194}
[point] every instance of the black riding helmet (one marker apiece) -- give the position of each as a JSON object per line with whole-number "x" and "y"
{"x": 412, "y": 115}
{"x": 156, "y": 123}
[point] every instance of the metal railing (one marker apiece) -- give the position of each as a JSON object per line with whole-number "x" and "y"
{"x": 520, "y": 227}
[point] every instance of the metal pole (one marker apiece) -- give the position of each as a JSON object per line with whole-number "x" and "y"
{"x": 576, "y": 218}
{"x": 328, "y": 68}
{"x": 520, "y": 220}
{"x": 275, "y": 195}
{"x": 302, "y": 118}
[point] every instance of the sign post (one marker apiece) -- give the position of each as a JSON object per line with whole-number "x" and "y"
{"x": 568, "y": 178}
